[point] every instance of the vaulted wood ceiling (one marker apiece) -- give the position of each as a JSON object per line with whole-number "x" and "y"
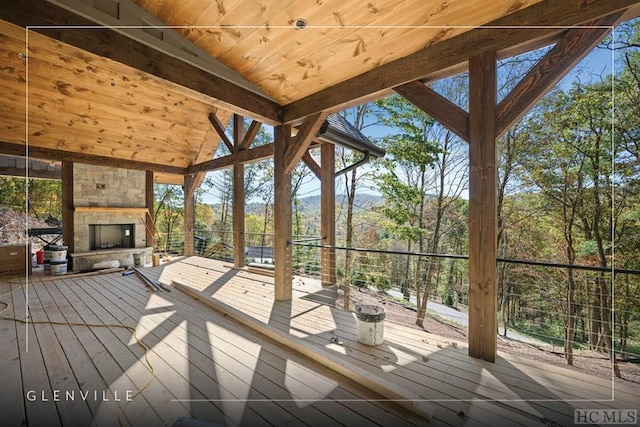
{"x": 102, "y": 95}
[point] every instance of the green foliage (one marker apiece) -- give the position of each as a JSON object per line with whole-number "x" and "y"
{"x": 401, "y": 175}
{"x": 44, "y": 196}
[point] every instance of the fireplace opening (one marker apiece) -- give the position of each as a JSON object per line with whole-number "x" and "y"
{"x": 110, "y": 236}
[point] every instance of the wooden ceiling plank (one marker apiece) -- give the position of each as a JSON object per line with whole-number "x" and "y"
{"x": 343, "y": 37}
{"x": 452, "y": 52}
{"x": 66, "y": 128}
{"x": 117, "y": 47}
{"x": 220, "y": 130}
{"x": 557, "y": 63}
{"x": 107, "y": 77}
{"x": 157, "y": 123}
{"x": 238, "y": 24}
{"x": 245, "y": 156}
{"x": 300, "y": 143}
{"x": 48, "y": 154}
{"x": 437, "y": 106}
{"x": 79, "y": 139}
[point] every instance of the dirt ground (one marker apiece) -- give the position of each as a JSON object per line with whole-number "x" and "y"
{"x": 587, "y": 362}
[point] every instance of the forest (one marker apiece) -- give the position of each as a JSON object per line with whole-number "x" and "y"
{"x": 568, "y": 205}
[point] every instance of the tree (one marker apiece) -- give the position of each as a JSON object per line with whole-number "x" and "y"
{"x": 352, "y": 180}
{"x": 403, "y": 175}
{"x": 449, "y": 180}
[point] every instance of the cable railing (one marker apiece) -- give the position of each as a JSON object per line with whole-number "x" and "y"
{"x": 588, "y": 307}
{"x": 561, "y": 306}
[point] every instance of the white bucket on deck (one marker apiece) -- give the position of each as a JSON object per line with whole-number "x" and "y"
{"x": 370, "y": 324}
{"x": 58, "y": 253}
{"x": 139, "y": 259}
{"x": 58, "y": 267}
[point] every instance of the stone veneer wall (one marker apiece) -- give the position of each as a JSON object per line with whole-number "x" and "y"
{"x": 101, "y": 186}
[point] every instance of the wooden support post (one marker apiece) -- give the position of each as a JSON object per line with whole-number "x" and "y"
{"x": 328, "y": 213}
{"x": 190, "y": 184}
{"x": 482, "y": 207}
{"x": 238, "y": 195}
{"x": 149, "y": 218}
{"x": 282, "y": 213}
{"x": 67, "y": 206}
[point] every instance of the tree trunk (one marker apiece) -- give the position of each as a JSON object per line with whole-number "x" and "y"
{"x": 351, "y": 195}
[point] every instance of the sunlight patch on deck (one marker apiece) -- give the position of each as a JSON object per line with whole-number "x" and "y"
{"x": 146, "y": 324}
{"x": 234, "y": 375}
{"x": 156, "y": 301}
{"x": 306, "y": 386}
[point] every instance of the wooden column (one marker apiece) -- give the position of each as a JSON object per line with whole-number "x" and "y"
{"x": 328, "y": 213}
{"x": 67, "y": 206}
{"x": 238, "y": 195}
{"x": 189, "y": 188}
{"x": 282, "y": 215}
{"x": 149, "y": 218}
{"x": 482, "y": 207}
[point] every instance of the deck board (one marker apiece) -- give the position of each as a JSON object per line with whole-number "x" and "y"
{"x": 11, "y": 401}
{"x": 210, "y": 367}
{"x": 40, "y": 412}
{"x": 273, "y": 369}
{"x": 523, "y": 391}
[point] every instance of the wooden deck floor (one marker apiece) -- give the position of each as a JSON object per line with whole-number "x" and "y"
{"x": 203, "y": 364}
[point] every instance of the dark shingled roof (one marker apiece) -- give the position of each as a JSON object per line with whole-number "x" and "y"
{"x": 339, "y": 131}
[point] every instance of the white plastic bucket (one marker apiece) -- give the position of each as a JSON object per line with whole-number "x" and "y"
{"x": 370, "y": 324}
{"x": 58, "y": 253}
{"x": 58, "y": 267}
{"x": 138, "y": 259}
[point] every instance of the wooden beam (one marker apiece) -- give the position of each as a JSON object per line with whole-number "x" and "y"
{"x": 149, "y": 217}
{"x": 190, "y": 186}
{"x": 220, "y": 130}
{"x": 437, "y": 106}
{"x": 33, "y": 173}
{"x": 245, "y": 156}
{"x": 110, "y": 209}
{"x": 283, "y": 273}
{"x": 482, "y": 207}
{"x": 562, "y": 58}
{"x": 238, "y": 215}
{"x": 300, "y": 143}
{"x": 238, "y": 195}
{"x": 49, "y": 154}
{"x": 522, "y": 29}
{"x": 328, "y": 213}
{"x": 251, "y": 134}
{"x": 311, "y": 164}
{"x": 111, "y": 44}
{"x": 68, "y": 223}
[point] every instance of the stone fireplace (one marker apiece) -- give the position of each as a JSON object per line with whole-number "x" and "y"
{"x": 109, "y": 216}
